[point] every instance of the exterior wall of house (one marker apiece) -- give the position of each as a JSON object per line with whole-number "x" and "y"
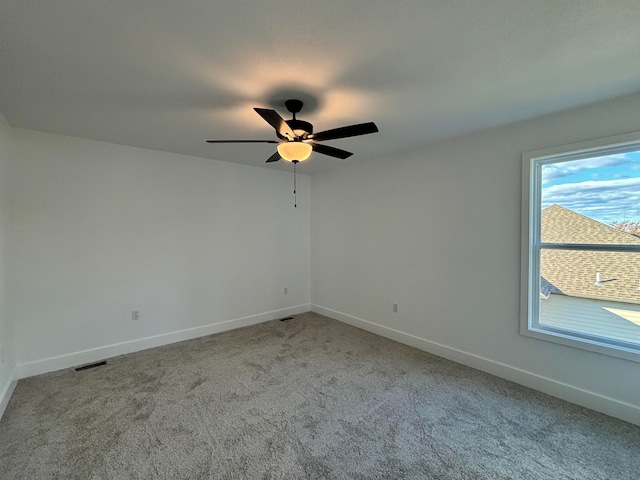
{"x": 437, "y": 231}
{"x": 7, "y": 337}
{"x": 101, "y": 230}
{"x": 618, "y": 320}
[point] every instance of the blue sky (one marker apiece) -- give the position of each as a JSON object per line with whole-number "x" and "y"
{"x": 606, "y": 188}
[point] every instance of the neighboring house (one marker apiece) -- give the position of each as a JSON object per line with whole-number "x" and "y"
{"x": 570, "y": 297}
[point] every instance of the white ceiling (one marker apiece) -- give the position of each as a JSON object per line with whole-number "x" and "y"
{"x": 168, "y": 75}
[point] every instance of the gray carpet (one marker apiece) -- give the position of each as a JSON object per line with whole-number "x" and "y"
{"x": 306, "y": 398}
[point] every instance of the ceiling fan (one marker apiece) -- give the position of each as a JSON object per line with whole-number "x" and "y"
{"x": 297, "y": 139}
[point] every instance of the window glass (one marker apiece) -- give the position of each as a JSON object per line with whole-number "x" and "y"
{"x": 583, "y": 247}
{"x": 602, "y": 190}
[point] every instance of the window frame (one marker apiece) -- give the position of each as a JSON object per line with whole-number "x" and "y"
{"x": 531, "y": 246}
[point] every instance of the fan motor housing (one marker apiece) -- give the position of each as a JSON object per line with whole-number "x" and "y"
{"x": 298, "y": 126}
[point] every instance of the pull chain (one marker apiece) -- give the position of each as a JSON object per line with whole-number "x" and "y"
{"x": 295, "y": 197}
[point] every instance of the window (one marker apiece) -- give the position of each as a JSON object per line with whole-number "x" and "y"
{"x": 581, "y": 245}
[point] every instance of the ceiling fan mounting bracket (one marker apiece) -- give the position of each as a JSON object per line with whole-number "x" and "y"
{"x": 294, "y": 106}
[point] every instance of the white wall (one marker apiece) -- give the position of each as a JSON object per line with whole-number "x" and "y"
{"x": 7, "y": 338}
{"x": 100, "y": 230}
{"x": 438, "y": 232}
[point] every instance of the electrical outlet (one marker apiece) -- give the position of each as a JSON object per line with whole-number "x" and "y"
{"x": 395, "y": 308}
{"x": 286, "y": 290}
{"x": 1, "y": 355}
{"x": 135, "y": 315}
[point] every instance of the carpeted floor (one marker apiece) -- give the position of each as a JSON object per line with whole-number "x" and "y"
{"x": 306, "y": 398}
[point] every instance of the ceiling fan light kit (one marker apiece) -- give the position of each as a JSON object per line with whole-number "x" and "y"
{"x": 294, "y": 151}
{"x": 297, "y": 137}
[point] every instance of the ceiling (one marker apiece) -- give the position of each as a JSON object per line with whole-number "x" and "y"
{"x": 168, "y": 75}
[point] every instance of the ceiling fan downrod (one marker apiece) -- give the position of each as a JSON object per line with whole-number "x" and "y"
{"x": 300, "y": 128}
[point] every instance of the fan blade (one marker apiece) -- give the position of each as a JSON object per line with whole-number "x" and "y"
{"x": 276, "y": 121}
{"x": 274, "y": 158}
{"x": 331, "y": 151}
{"x": 242, "y": 141}
{"x": 343, "y": 132}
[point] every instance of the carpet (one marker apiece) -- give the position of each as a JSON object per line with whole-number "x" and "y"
{"x": 306, "y": 398}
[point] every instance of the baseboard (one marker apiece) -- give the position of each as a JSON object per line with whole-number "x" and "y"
{"x": 7, "y": 390}
{"x": 29, "y": 369}
{"x": 570, "y": 393}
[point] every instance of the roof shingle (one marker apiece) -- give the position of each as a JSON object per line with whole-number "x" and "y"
{"x": 573, "y": 272}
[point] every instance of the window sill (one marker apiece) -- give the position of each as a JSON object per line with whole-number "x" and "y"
{"x": 592, "y": 344}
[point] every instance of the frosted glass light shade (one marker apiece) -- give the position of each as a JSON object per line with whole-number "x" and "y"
{"x": 291, "y": 151}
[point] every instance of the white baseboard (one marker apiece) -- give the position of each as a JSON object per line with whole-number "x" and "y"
{"x": 570, "y": 393}
{"x": 74, "y": 359}
{"x": 7, "y": 390}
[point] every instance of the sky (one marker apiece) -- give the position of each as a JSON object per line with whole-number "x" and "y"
{"x": 606, "y": 188}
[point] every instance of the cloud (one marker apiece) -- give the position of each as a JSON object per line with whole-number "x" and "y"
{"x": 566, "y": 169}
{"x": 603, "y": 200}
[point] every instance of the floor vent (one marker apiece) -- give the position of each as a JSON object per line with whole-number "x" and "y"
{"x": 91, "y": 365}
{"x": 286, "y": 318}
